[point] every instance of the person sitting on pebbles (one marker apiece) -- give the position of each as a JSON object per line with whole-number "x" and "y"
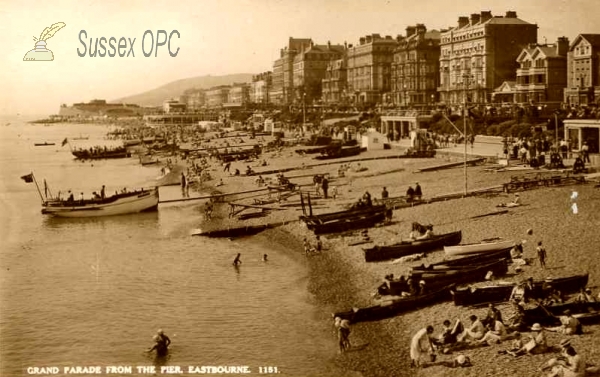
{"x": 515, "y": 203}
{"x": 536, "y": 345}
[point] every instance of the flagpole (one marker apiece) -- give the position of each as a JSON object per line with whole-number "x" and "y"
{"x": 38, "y": 187}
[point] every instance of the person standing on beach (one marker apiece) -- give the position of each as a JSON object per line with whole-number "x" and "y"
{"x": 325, "y": 186}
{"x": 103, "y": 193}
{"x": 384, "y": 193}
{"x": 541, "y": 253}
{"x": 183, "y": 184}
{"x": 421, "y": 346}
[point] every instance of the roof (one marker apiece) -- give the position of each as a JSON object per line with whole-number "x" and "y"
{"x": 506, "y": 87}
{"x": 498, "y": 20}
{"x": 593, "y": 39}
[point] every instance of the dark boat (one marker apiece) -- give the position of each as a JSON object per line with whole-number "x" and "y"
{"x": 471, "y": 260}
{"x": 435, "y": 280}
{"x": 380, "y": 253}
{"x": 347, "y": 223}
{"x": 353, "y": 212}
{"x": 234, "y": 232}
{"x": 43, "y": 144}
{"x": 586, "y": 313}
{"x": 334, "y": 151}
{"x": 498, "y": 293}
{"x": 356, "y": 218}
{"x": 394, "y": 308}
{"x": 86, "y": 154}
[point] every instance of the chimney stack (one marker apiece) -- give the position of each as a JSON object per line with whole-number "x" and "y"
{"x": 511, "y": 14}
{"x": 485, "y": 15}
{"x": 329, "y": 45}
{"x": 368, "y": 39}
{"x": 475, "y": 17}
{"x": 362, "y": 40}
{"x": 463, "y": 21}
{"x": 421, "y": 29}
{"x": 562, "y": 46}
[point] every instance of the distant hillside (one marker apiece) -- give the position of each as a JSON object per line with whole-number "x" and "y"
{"x": 155, "y": 97}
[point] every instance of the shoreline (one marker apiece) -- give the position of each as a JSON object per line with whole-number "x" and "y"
{"x": 340, "y": 279}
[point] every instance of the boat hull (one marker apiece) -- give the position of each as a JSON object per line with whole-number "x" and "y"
{"x": 394, "y": 308}
{"x": 477, "y": 248}
{"x": 380, "y": 253}
{"x": 499, "y": 293}
{"x": 122, "y": 204}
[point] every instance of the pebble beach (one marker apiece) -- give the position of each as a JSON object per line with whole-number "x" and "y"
{"x": 340, "y": 278}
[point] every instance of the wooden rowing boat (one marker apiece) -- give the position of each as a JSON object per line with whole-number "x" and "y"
{"x": 476, "y": 248}
{"x": 354, "y": 222}
{"x": 586, "y": 313}
{"x": 393, "y": 308}
{"x": 501, "y": 292}
{"x": 380, "y": 253}
{"x": 469, "y": 260}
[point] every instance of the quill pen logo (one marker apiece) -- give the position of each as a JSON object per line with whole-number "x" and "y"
{"x": 40, "y": 52}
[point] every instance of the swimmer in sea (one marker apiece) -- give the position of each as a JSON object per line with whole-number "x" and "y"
{"x": 264, "y": 258}
{"x": 159, "y": 347}
{"x": 237, "y": 261}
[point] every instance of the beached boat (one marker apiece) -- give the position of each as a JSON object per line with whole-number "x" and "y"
{"x": 436, "y": 279}
{"x": 362, "y": 221}
{"x": 393, "y": 308}
{"x": 241, "y": 231}
{"x": 465, "y": 261}
{"x": 43, "y": 144}
{"x": 118, "y": 204}
{"x": 81, "y": 137}
{"x": 380, "y": 253}
{"x": 339, "y": 152}
{"x": 501, "y": 292}
{"x": 85, "y": 154}
{"x": 586, "y": 313}
{"x": 475, "y": 248}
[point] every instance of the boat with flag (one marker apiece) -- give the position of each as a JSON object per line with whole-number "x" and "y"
{"x": 121, "y": 203}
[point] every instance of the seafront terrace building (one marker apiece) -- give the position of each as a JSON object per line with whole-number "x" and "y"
{"x": 583, "y": 70}
{"x": 260, "y": 88}
{"x": 335, "y": 83}
{"x": 217, "y": 96}
{"x": 238, "y": 95}
{"x": 369, "y": 68}
{"x": 310, "y": 66}
{"x": 283, "y": 70}
{"x": 415, "y": 68}
{"x": 194, "y": 99}
{"x": 542, "y": 75}
{"x": 397, "y": 124}
{"x": 479, "y": 54}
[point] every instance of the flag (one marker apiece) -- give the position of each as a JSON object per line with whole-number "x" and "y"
{"x": 28, "y": 178}
{"x": 64, "y": 142}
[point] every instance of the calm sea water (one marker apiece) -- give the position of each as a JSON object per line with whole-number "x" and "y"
{"x": 93, "y": 292}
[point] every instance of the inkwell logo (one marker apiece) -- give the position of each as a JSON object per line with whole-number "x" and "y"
{"x": 40, "y": 52}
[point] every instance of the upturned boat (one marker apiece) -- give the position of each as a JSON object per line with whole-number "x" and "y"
{"x": 476, "y": 248}
{"x": 465, "y": 261}
{"x": 119, "y": 204}
{"x": 380, "y": 253}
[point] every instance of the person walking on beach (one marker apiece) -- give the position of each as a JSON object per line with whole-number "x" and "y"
{"x": 237, "y": 261}
{"x": 541, "y": 253}
{"x": 421, "y": 346}
{"x": 227, "y": 166}
{"x": 325, "y": 186}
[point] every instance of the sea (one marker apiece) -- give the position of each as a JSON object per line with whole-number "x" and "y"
{"x": 84, "y": 293}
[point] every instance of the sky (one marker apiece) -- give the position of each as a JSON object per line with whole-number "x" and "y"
{"x": 216, "y": 37}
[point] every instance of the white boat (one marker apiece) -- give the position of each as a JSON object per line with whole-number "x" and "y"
{"x": 118, "y": 204}
{"x": 476, "y": 248}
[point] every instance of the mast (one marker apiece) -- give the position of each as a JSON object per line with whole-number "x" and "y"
{"x": 38, "y": 187}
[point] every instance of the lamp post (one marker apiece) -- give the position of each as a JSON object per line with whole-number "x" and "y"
{"x": 303, "y": 111}
{"x": 465, "y": 113}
